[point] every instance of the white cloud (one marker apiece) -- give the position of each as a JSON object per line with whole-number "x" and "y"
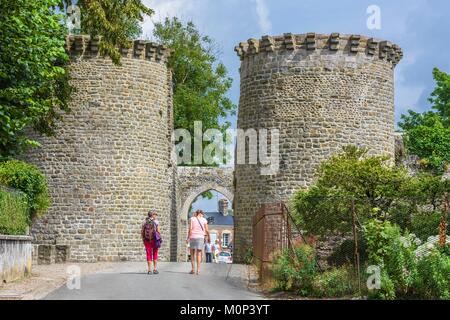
{"x": 407, "y": 95}
{"x": 262, "y": 11}
{"x": 184, "y": 9}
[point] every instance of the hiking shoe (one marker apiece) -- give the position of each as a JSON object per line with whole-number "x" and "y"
{"x": 155, "y": 272}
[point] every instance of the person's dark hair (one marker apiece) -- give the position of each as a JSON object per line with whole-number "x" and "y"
{"x": 198, "y": 212}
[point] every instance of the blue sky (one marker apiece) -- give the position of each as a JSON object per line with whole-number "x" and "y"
{"x": 208, "y": 205}
{"x": 420, "y": 27}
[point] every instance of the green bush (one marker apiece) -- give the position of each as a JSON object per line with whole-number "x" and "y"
{"x": 248, "y": 258}
{"x": 433, "y": 276}
{"x": 387, "y": 291}
{"x": 344, "y": 254}
{"x": 404, "y": 273}
{"x": 14, "y": 216}
{"x": 394, "y": 254}
{"x": 334, "y": 283}
{"x": 294, "y": 270}
{"x": 28, "y": 179}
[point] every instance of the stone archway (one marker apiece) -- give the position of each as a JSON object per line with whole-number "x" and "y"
{"x": 198, "y": 191}
{"x": 192, "y": 182}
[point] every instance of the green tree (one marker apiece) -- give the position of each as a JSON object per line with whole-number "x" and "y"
{"x": 427, "y": 135}
{"x": 28, "y": 179}
{"x": 33, "y": 71}
{"x": 440, "y": 97}
{"x": 422, "y": 196}
{"x": 34, "y": 78}
{"x": 116, "y": 21}
{"x": 351, "y": 177}
{"x": 374, "y": 188}
{"x": 200, "y": 82}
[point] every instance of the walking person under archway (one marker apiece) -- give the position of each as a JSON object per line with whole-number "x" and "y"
{"x": 198, "y": 231}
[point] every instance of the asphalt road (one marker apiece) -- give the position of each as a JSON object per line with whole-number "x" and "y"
{"x": 131, "y": 281}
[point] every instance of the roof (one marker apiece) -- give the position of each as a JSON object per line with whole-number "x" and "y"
{"x": 218, "y": 219}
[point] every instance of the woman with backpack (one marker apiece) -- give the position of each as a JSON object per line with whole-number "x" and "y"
{"x": 198, "y": 230}
{"x": 152, "y": 240}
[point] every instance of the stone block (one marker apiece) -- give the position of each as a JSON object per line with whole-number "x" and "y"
{"x": 46, "y": 254}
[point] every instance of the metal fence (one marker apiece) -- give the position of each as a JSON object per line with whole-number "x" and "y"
{"x": 275, "y": 230}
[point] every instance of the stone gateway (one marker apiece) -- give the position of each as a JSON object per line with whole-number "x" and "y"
{"x": 110, "y": 160}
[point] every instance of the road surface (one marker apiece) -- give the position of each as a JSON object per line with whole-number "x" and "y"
{"x": 130, "y": 281}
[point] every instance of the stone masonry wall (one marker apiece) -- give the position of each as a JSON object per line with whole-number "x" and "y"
{"x": 192, "y": 182}
{"x": 109, "y": 162}
{"x": 322, "y": 92}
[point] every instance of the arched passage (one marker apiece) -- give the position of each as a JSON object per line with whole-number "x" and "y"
{"x": 197, "y": 192}
{"x": 192, "y": 182}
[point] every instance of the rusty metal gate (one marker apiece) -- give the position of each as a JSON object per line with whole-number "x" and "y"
{"x": 273, "y": 231}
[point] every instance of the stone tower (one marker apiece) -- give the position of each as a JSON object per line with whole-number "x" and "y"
{"x": 109, "y": 162}
{"x": 321, "y": 92}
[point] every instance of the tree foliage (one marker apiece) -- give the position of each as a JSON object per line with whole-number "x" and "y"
{"x": 34, "y": 78}
{"x": 376, "y": 189}
{"x": 116, "y": 21}
{"x": 428, "y": 134}
{"x": 200, "y": 82}
{"x": 14, "y": 212}
{"x": 28, "y": 179}
{"x": 351, "y": 176}
{"x": 404, "y": 272}
{"x": 33, "y": 71}
{"x": 440, "y": 97}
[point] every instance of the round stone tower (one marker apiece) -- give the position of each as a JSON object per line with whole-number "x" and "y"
{"x": 109, "y": 162}
{"x": 321, "y": 92}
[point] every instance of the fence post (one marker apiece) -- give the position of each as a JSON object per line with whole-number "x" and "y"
{"x": 355, "y": 239}
{"x": 443, "y": 224}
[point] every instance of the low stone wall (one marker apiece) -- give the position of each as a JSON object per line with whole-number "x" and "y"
{"x": 15, "y": 257}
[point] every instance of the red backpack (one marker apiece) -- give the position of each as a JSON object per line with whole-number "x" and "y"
{"x": 149, "y": 229}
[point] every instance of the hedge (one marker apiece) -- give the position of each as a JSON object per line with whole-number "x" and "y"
{"x": 14, "y": 212}
{"x": 28, "y": 179}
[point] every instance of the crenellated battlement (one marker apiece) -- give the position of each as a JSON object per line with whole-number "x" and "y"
{"x": 84, "y": 45}
{"x": 351, "y": 44}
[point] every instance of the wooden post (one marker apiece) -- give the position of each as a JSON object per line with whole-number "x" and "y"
{"x": 443, "y": 224}
{"x": 355, "y": 239}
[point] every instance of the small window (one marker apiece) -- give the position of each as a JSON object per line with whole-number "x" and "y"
{"x": 225, "y": 239}
{"x": 213, "y": 236}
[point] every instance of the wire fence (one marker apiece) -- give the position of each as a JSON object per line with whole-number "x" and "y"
{"x": 334, "y": 227}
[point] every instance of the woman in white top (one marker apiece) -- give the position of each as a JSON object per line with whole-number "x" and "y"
{"x": 216, "y": 251}
{"x": 198, "y": 229}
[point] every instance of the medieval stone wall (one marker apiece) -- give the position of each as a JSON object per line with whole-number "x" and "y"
{"x": 321, "y": 92}
{"x": 109, "y": 162}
